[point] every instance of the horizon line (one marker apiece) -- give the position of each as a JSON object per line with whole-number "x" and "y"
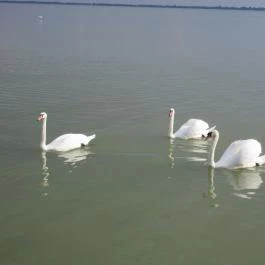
{"x": 133, "y": 5}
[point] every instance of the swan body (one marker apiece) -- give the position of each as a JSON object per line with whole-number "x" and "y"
{"x": 239, "y": 154}
{"x": 191, "y": 129}
{"x": 64, "y": 142}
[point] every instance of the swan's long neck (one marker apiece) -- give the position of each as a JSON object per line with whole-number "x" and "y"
{"x": 43, "y": 136}
{"x": 171, "y": 125}
{"x": 212, "y": 150}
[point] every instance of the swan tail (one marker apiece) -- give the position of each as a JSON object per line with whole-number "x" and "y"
{"x": 91, "y": 137}
{"x": 260, "y": 160}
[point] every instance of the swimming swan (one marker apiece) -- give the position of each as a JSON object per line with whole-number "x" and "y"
{"x": 239, "y": 154}
{"x": 64, "y": 142}
{"x": 191, "y": 129}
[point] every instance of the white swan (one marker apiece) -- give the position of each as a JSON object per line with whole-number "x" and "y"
{"x": 191, "y": 129}
{"x": 239, "y": 154}
{"x": 64, "y": 142}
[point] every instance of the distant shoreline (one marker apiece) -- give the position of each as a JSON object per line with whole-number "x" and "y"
{"x": 131, "y": 5}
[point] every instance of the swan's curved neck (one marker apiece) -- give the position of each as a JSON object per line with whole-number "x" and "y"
{"x": 171, "y": 125}
{"x": 211, "y": 161}
{"x": 43, "y": 136}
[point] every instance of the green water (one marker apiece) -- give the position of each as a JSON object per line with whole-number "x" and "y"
{"x": 133, "y": 196}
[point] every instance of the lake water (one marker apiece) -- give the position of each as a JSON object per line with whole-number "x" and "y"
{"x": 133, "y": 196}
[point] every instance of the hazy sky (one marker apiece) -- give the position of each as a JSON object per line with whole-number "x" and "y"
{"x": 236, "y": 3}
{"x": 226, "y": 3}
{"x": 189, "y": 2}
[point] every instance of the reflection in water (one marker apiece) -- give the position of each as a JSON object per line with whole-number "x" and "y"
{"x": 195, "y": 149}
{"x": 75, "y": 156}
{"x": 45, "y": 172}
{"x": 193, "y": 146}
{"x": 71, "y": 158}
{"x": 40, "y": 19}
{"x": 245, "y": 182}
{"x": 186, "y": 148}
{"x": 171, "y": 154}
{"x": 211, "y": 188}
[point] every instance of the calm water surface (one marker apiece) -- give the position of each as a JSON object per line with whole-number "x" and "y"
{"x": 133, "y": 196}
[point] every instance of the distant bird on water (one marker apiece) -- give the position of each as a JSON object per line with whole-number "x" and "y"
{"x": 64, "y": 142}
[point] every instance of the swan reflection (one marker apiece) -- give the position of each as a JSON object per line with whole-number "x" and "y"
{"x": 194, "y": 146}
{"x": 245, "y": 182}
{"x": 45, "y": 172}
{"x": 211, "y": 194}
{"x": 75, "y": 156}
{"x": 72, "y": 158}
{"x": 193, "y": 150}
{"x": 171, "y": 153}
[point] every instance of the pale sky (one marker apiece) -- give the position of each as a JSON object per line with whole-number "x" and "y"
{"x": 228, "y": 3}
{"x": 225, "y": 3}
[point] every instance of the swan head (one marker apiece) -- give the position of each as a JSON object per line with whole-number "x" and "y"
{"x": 42, "y": 116}
{"x": 212, "y": 135}
{"x": 171, "y": 113}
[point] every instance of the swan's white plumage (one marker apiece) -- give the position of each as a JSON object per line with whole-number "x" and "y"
{"x": 64, "y": 142}
{"x": 69, "y": 141}
{"x": 239, "y": 154}
{"x": 191, "y": 129}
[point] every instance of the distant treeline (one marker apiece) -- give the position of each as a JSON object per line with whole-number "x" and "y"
{"x": 130, "y": 5}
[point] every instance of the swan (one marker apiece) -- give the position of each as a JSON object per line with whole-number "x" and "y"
{"x": 191, "y": 129}
{"x": 64, "y": 142}
{"x": 239, "y": 154}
